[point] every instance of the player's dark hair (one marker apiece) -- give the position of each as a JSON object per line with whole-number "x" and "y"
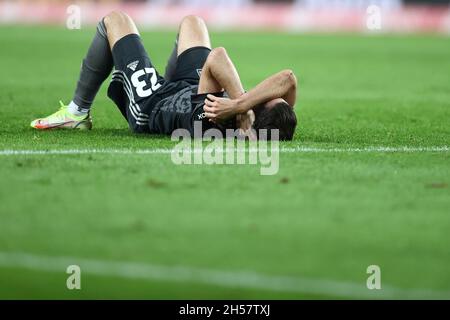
{"x": 281, "y": 116}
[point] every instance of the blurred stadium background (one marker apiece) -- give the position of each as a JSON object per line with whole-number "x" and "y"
{"x": 289, "y": 15}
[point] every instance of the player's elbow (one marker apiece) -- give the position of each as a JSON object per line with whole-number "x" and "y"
{"x": 288, "y": 78}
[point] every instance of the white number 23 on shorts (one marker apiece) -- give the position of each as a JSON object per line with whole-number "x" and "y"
{"x": 140, "y": 84}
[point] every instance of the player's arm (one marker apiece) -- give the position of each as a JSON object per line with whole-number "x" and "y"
{"x": 280, "y": 85}
{"x": 219, "y": 73}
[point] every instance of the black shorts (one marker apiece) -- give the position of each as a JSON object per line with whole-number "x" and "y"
{"x": 136, "y": 86}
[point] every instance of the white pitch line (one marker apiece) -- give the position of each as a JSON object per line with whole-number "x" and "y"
{"x": 298, "y": 149}
{"x": 232, "y": 279}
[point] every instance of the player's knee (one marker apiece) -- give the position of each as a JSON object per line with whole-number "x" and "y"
{"x": 215, "y": 57}
{"x": 220, "y": 51}
{"x": 192, "y": 20}
{"x": 217, "y": 53}
{"x": 115, "y": 18}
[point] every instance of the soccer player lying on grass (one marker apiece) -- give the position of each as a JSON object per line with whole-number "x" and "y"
{"x": 200, "y": 84}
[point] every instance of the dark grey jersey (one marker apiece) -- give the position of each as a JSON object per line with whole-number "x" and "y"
{"x": 180, "y": 111}
{"x": 179, "y": 102}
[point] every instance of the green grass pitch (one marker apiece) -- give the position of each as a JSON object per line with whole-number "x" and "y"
{"x": 324, "y": 218}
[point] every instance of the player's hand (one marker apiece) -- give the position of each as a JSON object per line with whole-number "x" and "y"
{"x": 218, "y": 109}
{"x": 245, "y": 122}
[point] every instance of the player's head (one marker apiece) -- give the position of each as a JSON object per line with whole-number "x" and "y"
{"x": 275, "y": 114}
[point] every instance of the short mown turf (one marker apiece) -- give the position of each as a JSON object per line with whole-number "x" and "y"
{"x": 324, "y": 218}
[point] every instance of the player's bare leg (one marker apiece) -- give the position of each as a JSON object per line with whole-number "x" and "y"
{"x": 219, "y": 72}
{"x": 191, "y": 33}
{"x": 118, "y": 25}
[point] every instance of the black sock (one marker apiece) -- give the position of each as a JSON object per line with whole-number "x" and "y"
{"x": 95, "y": 69}
{"x": 172, "y": 63}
